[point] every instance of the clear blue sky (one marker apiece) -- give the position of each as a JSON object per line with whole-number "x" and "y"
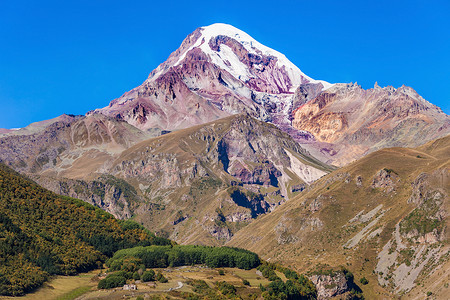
{"x": 73, "y": 56}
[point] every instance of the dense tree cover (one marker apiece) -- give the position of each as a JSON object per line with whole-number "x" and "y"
{"x": 181, "y": 255}
{"x": 296, "y": 287}
{"x": 42, "y": 233}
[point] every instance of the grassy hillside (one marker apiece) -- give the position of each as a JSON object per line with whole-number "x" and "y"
{"x": 383, "y": 217}
{"x": 42, "y": 233}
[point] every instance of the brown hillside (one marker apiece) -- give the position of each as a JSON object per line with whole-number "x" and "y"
{"x": 394, "y": 199}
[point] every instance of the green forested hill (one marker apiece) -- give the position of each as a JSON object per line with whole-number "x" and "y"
{"x": 42, "y": 233}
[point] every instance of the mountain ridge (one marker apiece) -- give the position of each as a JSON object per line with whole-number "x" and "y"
{"x": 220, "y": 70}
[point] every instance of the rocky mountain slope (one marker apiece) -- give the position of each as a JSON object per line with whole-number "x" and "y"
{"x": 210, "y": 180}
{"x": 67, "y": 142}
{"x": 73, "y": 148}
{"x": 217, "y": 177}
{"x": 384, "y": 217}
{"x": 352, "y": 121}
{"x": 220, "y": 70}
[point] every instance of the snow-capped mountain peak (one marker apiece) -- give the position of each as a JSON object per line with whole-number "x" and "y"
{"x": 217, "y": 71}
{"x": 256, "y": 48}
{"x": 222, "y": 44}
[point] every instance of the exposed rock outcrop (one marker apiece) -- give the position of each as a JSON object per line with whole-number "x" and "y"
{"x": 414, "y": 248}
{"x": 385, "y": 179}
{"x": 362, "y": 121}
{"x": 331, "y": 285}
{"x": 111, "y": 194}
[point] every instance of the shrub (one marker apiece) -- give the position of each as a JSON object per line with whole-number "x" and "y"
{"x": 226, "y": 288}
{"x": 160, "y": 277}
{"x": 148, "y": 276}
{"x": 245, "y": 282}
{"x": 364, "y": 281}
{"x": 112, "y": 281}
{"x": 221, "y": 272}
{"x": 199, "y": 286}
{"x": 136, "y": 276}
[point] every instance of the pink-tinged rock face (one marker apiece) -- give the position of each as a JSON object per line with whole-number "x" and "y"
{"x": 216, "y": 72}
{"x": 266, "y": 75}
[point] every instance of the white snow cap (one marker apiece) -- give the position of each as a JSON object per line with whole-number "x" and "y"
{"x": 237, "y": 68}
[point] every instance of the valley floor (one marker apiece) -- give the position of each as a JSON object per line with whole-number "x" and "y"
{"x": 84, "y": 286}
{"x": 62, "y": 287}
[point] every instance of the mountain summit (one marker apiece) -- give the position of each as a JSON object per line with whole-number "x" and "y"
{"x": 236, "y": 52}
{"x": 217, "y": 71}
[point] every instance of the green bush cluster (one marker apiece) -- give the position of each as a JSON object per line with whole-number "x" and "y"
{"x": 160, "y": 277}
{"x": 226, "y": 288}
{"x": 220, "y": 291}
{"x": 112, "y": 281}
{"x": 148, "y": 276}
{"x": 182, "y": 255}
{"x": 291, "y": 289}
{"x": 268, "y": 271}
{"x": 296, "y": 287}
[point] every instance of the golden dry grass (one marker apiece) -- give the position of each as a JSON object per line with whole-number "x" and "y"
{"x": 343, "y": 200}
{"x": 60, "y": 286}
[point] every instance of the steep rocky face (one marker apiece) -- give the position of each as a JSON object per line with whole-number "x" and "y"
{"x": 331, "y": 285}
{"x": 252, "y": 152}
{"x": 417, "y": 245}
{"x": 112, "y": 194}
{"x": 362, "y": 121}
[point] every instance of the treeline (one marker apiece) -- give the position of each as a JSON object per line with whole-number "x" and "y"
{"x": 42, "y": 233}
{"x": 178, "y": 255}
{"x": 296, "y": 286}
